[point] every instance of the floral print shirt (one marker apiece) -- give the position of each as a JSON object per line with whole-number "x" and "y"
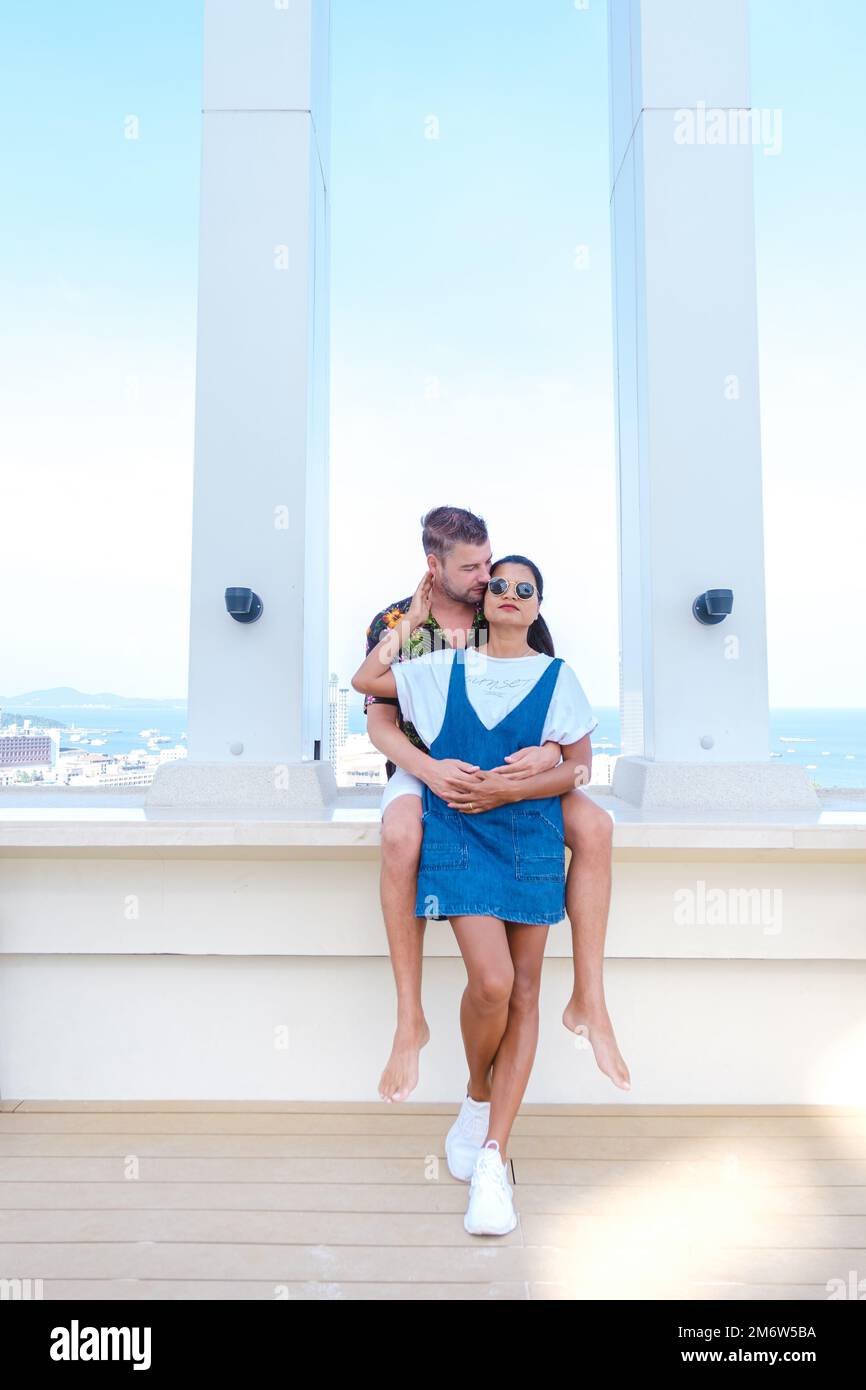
{"x": 427, "y": 638}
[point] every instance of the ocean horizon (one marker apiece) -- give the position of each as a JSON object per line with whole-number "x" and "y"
{"x": 829, "y": 743}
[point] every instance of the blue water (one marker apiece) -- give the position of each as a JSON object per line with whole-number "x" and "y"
{"x": 830, "y": 743}
{"x": 124, "y": 724}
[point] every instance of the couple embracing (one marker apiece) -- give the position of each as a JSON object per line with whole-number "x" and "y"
{"x": 486, "y": 733}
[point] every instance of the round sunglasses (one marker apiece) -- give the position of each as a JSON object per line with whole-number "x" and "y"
{"x": 523, "y": 589}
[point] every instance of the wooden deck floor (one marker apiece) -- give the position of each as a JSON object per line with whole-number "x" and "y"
{"x": 269, "y": 1200}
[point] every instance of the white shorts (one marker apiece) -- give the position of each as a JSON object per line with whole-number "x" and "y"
{"x": 401, "y": 784}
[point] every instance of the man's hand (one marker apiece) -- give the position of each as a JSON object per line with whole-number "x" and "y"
{"x": 486, "y": 791}
{"x": 419, "y": 609}
{"x": 526, "y": 762}
{"x": 447, "y": 777}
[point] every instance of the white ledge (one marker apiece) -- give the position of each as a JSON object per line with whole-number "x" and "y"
{"x": 58, "y": 820}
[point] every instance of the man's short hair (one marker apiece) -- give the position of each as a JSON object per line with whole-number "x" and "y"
{"x": 445, "y": 527}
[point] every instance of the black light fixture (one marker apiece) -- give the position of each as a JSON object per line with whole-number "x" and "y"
{"x": 244, "y": 605}
{"x": 713, "y": 606}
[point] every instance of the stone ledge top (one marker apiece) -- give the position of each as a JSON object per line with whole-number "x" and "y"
{"x": 57, "y": 820}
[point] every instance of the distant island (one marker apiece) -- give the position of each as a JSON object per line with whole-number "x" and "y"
{"x": 67, "y": 697}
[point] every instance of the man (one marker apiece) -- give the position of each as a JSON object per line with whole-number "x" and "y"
{"x": 458, "y": 554}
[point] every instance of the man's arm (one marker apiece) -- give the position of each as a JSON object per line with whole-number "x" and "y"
{"x": 386, "y": 735}
{"x": 444, "y": 776}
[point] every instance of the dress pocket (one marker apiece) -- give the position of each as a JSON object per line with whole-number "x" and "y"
{"x": 444, "y": 841}
{"x": 539, "y": 847}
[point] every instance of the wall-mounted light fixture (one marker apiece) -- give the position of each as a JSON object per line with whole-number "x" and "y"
{"x": 713, "y": 606}
{"x": 244, "y": 605}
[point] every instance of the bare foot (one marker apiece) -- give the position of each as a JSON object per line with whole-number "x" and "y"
{"x": 596, "y": 1029}
{"x": 400, "y": 1076}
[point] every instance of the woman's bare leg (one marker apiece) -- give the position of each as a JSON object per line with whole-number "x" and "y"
{"x": 512, "y": 1064}
{"x": 483, "y": 945}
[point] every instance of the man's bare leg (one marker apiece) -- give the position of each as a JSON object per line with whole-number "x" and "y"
{"x": 589, "y": 836}
{"x": 401, "y": 848}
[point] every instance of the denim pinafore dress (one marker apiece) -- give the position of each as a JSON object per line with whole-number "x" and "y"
{"x": 508, "y": 862}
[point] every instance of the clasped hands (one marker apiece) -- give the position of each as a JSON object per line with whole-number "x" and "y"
{"x": 469, "y": 788}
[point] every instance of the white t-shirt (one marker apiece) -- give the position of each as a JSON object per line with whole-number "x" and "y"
{"x": 494, "y": 685}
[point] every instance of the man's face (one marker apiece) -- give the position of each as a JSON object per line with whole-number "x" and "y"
{"x": 463, "y": 574}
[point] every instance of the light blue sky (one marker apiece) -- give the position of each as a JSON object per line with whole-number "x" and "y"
{"x": 471, "y": 360}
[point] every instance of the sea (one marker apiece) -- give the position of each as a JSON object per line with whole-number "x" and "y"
{"x": 118, "y": 730}
{"x": 829, "y": 743}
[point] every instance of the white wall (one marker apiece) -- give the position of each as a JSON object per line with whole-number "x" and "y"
{"x": 184, "y": 1000}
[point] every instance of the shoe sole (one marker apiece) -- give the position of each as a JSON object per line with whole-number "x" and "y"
{"x": 489, "y": 1230}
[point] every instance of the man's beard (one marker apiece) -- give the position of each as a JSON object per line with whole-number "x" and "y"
{"x": 468, "y": 596}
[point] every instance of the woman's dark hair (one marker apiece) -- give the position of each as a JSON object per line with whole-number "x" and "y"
{"x": 538, "y": 636}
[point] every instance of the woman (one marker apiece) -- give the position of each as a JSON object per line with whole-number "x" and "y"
{"x": 493, "y": 860}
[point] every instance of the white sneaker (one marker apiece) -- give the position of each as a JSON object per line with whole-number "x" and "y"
{"x": 491, "y": 1209}
{"x": 465, "y": 1137}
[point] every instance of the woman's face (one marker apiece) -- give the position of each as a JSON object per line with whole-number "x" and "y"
{"x": 506, "y": 610}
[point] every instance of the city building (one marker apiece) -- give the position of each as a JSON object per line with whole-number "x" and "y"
{"x": 338, "y": 697}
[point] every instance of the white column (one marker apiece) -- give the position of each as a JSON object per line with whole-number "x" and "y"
{"x": 693, "y": 698}
{"x": 257, "y": 691}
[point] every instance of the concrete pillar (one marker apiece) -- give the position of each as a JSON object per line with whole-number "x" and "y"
{"x": 693, "y": 698}
{"x": 258, "y": 690}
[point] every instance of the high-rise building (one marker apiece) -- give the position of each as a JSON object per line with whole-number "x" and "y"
{"x": 338, "y": 699}
{"x": 31, "y": 752}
